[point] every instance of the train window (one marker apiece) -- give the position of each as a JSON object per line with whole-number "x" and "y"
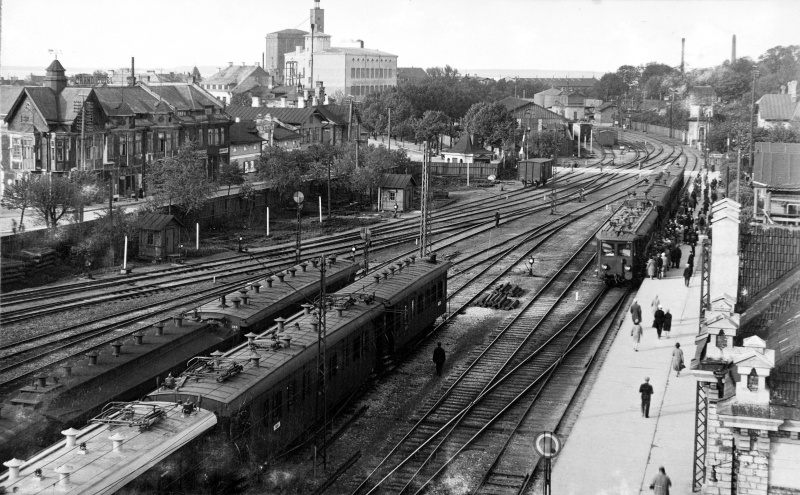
{"x": 624, "y": 249}
{"x": 440, "y": 293}
{"x": 356, "y": 348}
{"x": 291, "y": 390}
{"x": 333, "y": 365}
{"x": 277, "y": 406}
{"x": 412, "y": 306}
{"x": 608, "y": 248}
{"x": 420, "y": 303}
{"x": 344, "y": 353}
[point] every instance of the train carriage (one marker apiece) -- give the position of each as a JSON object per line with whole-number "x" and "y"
{"x": 265, "y": 391}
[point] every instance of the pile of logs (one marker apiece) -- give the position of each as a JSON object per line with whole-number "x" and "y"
{"x": 500, "y": 297}
{"x": 27, "y": 262}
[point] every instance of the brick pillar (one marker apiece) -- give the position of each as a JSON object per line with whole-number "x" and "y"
{"x": 753, "y": 463}
{"x": 719, "y": 454}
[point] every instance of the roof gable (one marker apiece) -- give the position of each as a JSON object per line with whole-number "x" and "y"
{"x": 777, "y": 107}
{"x": 464, "y": 146}
{"x": 156, "y": 221}
{"x": 397, "y": 181}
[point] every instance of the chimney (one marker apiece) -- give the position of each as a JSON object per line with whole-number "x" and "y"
{"x": 283, "y": 102}
{"x": 360, "y": 43}
{"x": 733, "y": 50}
{"x": 133, "y": 73}
{"x": 792, "y": 85}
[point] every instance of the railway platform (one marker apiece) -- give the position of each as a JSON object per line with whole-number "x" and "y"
{"x": 611, "y": 448}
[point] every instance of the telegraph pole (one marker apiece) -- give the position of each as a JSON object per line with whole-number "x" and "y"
{"x": 390, "y": 129}
{"x": 752, "y": 116}
{"x": 322, "y": 395}
{"x": 423, "y": 226}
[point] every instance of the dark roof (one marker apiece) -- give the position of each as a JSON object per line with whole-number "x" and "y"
{"x": 288, "y": 31}
{"x": 283, "y": 134}
{"x": 121, "y": 101}
{"x": 777, "y": 164}
{"x": 156, "y": 221}
{"x": 55, "y": 65}
{"x": 412, "y": 73}
{"x": 236, "y": 74}
{"x": 464, "y": 146}
{"x": 244, "y": 132}
{"x": 776, "y": 107}
{"x": 606, "y": 105}
{"x": 533, "y": 111}
{"x": 293, "y": 116}
{"x": 397, "y": 181}
{"x": 184, "y": 96}
{"x": 338, "y": 114}
{"x": 45, "y": 100}
{"x": 8, "y": 95}
{"x": 511, "y": 103}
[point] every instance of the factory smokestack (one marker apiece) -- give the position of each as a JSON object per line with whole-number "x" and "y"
{"x": 733, "y": 50}
{"x": 683, "y": 49}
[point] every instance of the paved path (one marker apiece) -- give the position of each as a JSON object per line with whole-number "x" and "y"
{"x": 612, "y": 449}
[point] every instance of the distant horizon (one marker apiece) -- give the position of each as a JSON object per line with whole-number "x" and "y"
{"x": 21, "y": 71}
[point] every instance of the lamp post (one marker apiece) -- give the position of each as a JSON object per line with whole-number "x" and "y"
{"x": 752, "y": 116}
{"x": 298, "y": 198}
{"x": 531, "y": 261}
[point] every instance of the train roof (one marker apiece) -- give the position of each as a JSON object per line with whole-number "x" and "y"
{"x": 631, "y": 220}
{"x": 298, "y": 282}
{"x": 362, "y": 301}
{"x": 100, "y": 469}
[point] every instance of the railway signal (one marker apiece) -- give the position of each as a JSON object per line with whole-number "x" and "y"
{"x": 298, "y": 198}
{"x": 548, "y": 445}
{"x": 531, "y": 261}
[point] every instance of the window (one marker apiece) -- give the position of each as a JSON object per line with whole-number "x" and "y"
{"x": 792, "y": 209}
{"x": 234, "y": 149}
{"x": 345, "y": 354}
{"x": 16, "y": 147}
{"x": 352, "y": 72}
{"x": 138, "y": 143}
{"x": 624, "y": 249}
{"x": 210, "y": 137}
{"x": 752, "y": 380}
{"x": 27, "y": 148}
{"x": 306, "y": 388}
{"x": 333, "y": 365}
{"x": 420, "y": 303}
{"x": 392, "y": 195}
{"x": 123, "y": 145}
{"x": 277, "y": 406}
{"x": 150, "y": 239}
{"x": 291, "y": 391}
{"x": 61, "y": 150}
{"x": 721, "y": 340}
{"x": 607, "y": 248}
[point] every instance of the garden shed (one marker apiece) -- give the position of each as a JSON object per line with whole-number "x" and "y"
{"x": 396, "y": 188}
{"x": 159, "y": 236}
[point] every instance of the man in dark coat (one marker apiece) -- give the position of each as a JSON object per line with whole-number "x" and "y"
{"x": 439, "y": 358}
{"x": 661, "y": 483}
{"x": 690, "y": 260}
{"x": 687, "y": 272}
{"x": 497, "y": 219}
{"x": 658, "y": 321}
{"x": 647, "y": 391}
{"x": 676, "y": 256}
{"x": 659, "y": 266}
{"x": 636, "y": 311}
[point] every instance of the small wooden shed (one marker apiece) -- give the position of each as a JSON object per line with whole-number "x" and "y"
{"x": 396, "y": 188}
{"x": 159, "y": 236}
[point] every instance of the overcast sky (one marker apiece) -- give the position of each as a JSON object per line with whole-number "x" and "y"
{"x": 508, "y": 35}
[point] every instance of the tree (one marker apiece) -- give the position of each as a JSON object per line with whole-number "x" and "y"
{"x": 51, "y": 197}
{"x": 283, "y": 170}
{"x": 17, "y": 196}
{"x": 181, "y": 180}
{"x": 432, "y": 125}
{"x": 611, "y": 86}
{"x": 243, "y": 99}
{"x": 492, "y": 122}
{"x": 230, "y": 174}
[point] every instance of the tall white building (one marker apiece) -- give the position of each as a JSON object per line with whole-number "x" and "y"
{"x": 355, "y": 71}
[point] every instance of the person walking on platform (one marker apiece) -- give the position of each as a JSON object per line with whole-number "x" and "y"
{"x": 658, "y": 321}
{"x": 636, "y": 311}
{"x": 647, "y": 391}
{"x": 659, "y": 266}
{"x": 654, "y": 305}
{"x": 667, "y": 322}
{"x": 439, "y": 358}
{"x": 636, "y": 333}
{"x": 661, "y": 483}
{"x": 676, "y": 256}
{"x": 687, "y": 272}
{"x": 665, "y": 261}
{"x": 677, "y": 359}
{"x": 651, "y": 268}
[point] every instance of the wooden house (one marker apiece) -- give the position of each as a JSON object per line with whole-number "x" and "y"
{"x": 159, "y": 236}
{"x": 396, "y": 188}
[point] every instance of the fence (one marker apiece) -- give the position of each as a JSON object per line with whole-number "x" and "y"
{"x": 660, "y": 131}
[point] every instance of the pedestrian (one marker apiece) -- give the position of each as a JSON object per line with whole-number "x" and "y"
{"x": 651, "y": 268}
{"x": 687, "y": 272}
{"x": 636, "y": 333}
{"x": 676, "y": 256}
{"x": 395, "y": 209}
{"x": 658, "y": 321}
{"x": 677, "y": 359}
{"x": 636, "y": 311}
{"x": 661, "y": 483}
{"x": 647, "y": 391}
{"x": 655, "y": 304}
{"x": 439, "y": 358}
{"x": 581, "y": 192}
{"x": 665, "y": 261}
{"x": 497, "y": 219}
{"x": 659, "y": 266}
{"x": 667, "y": 322}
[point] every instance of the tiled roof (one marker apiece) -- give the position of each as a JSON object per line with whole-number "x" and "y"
{"x": 293, "y": 116}
{"x": 70, "y": 101}
{"x": 511, "y": 103}
{"x": 397, "y": 181}
{"x": 121, "y": 101}
{"x": 777, "y": 164}
{"x": 777, "y": 107}
{"x": 45, "y": 99}
{"x": 244, "y": 132}
{"x": 184, "y": 96}
{"x": 8, "y": 95}
{"x": 464, "y": 146}
{"x": 768, "y": 254}
{"x": 338, "y": 114}
{"x": 283, "y": 134}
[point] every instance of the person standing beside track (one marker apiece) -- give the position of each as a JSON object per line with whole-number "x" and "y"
{"x": 661, "y": 483}
{"x": 439, "y": 358}
{"x": 636, "y": 311}
{"x": 636, "y": 333}
{"x": 497, "y": 219}
{"x": 658, "y": 321}
{"x": 647, "y": 391}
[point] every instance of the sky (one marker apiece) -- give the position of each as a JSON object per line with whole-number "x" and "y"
{"x": 505, "y": 37}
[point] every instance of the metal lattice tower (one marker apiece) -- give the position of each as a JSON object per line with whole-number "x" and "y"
{"x": 700, "y": 437}
{"x": 424, "y": 226}
{"x": 322, "y": 386}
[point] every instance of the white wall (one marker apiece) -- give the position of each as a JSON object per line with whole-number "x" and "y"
{"x": 784, "y": 465}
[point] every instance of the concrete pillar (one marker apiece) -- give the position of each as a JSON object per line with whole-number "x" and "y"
{"x": 725, "y": 248}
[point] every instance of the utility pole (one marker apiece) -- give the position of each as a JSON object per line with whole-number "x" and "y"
{"x": 390, "y": 129}
{"x": 738, "y": 175}
{"x": 311, "y": 83}
{"x": 752, "y": 117}
{"x": 322, "y": 394}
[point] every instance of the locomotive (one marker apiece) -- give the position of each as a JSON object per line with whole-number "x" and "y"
{"x": 626, "y": 239}
{"x": 266, "y": 392}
